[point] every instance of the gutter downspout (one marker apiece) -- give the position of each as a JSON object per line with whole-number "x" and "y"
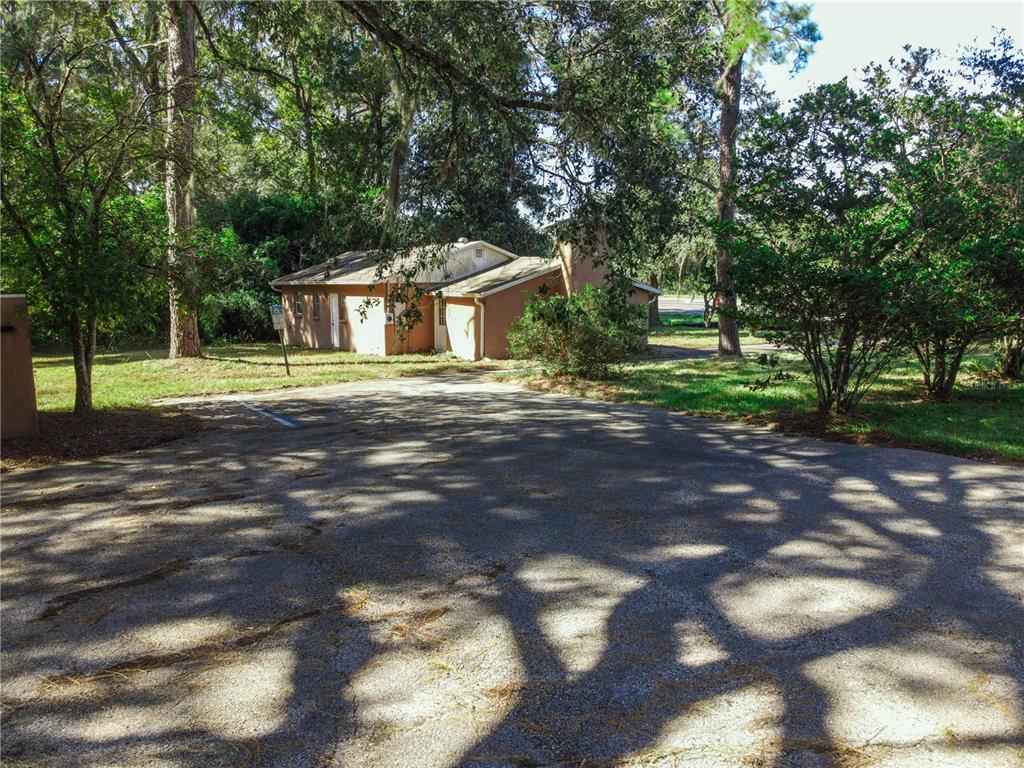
{"x": 479, "y": 303}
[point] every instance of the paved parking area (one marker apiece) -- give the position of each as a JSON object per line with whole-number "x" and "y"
{"x": 456, "y": 572}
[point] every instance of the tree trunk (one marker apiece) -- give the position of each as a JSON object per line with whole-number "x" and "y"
{"x": 653, "y": 313}
{"x": 940, "y": 364}
{"x": 400, "y": 149}
{"x": 83, "y": 351}
{"x": 179, "y": 173}
{"x": 311, "y": 175}
{"x": 1013, "y": 359}
{"x": 728, "y": 330}
{"x": 305, "y": 104}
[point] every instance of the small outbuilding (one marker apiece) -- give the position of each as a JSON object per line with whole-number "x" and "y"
{"x": 472, "y": 292}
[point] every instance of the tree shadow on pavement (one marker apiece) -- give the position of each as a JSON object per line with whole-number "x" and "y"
{"x": 454, "y": 573}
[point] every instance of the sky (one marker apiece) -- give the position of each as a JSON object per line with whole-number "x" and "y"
{"x": 855, "y": 32}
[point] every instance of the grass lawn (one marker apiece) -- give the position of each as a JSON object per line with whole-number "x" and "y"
{"x": 688, "y": 331}
{"x": 980, "y": 421}
{"x": 140, "y": 377}
{"x": 127, "y": 388}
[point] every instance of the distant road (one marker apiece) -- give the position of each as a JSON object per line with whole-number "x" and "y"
{"x": 681, "y": 305}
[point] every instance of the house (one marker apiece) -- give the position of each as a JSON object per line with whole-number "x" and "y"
{"x": 472, "y": 293}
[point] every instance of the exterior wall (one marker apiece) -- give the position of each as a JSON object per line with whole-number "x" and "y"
{"x": 578, "y": 267}
{"x": 368, "y": 336}
{"x": 420, "y": 337}
{"x": 356, "y": 333}
{"x": 505, "y": 307}
{"x": 18, "y": 417}
{"x": 463, "y": 322}
{"x": 363, "y": 334}
{"x": 305, "y": 331}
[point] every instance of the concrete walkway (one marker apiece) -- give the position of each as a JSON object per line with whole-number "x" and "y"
{"x": 455, "y": 572}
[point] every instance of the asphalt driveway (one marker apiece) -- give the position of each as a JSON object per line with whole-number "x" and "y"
{"x": 454, "y": 572}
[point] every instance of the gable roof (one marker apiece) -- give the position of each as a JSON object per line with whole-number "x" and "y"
{"x": 362, "y": 267}
{"x": 501, "y": 277}
{"x": 645, "y": 287}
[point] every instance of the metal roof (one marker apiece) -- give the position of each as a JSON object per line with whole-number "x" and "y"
{"x": 502, "y": 276}
{"x": 363, "y": 267}
{"x": 645, "y": 287}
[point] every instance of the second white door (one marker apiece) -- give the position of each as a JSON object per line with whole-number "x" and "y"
{"x": 440, "y": 325}
{"x": 335, "y": 321}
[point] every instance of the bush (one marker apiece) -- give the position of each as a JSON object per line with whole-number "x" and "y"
{"x": 581, "y": 335}
{"x": 818, "y": 241}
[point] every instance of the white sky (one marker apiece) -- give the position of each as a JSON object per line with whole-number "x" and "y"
{"x": 856, "y": 32}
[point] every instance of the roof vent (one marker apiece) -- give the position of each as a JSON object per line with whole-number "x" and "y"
{"x": 463, "y": 239}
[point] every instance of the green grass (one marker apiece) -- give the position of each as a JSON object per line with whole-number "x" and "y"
{"x": 979, "y": 421}
{"x": 688, "y": 331}
{"x": 137, "y": 378}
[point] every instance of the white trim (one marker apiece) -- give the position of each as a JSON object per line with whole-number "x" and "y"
{"x": 440, "y": 329}
{"x": 483, "y": 338}
{"x": 277, "y": 286}
{"x": 502, "y": 287}
{"x": 645, "y": 287}
{"x": 456, "y": 248}
{"x": 335, "y": 310}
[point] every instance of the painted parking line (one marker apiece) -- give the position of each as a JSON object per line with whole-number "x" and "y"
{"x": 279, "y": 418}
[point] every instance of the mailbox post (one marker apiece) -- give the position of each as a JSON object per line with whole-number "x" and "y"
{"x": 277, "y": 318}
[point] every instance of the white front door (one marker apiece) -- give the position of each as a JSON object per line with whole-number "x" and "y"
{"x": 335, "y": 322}
{"x": 440, "y": 325}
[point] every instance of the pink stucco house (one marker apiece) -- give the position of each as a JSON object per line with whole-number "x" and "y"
{"x": 473, "y": 292}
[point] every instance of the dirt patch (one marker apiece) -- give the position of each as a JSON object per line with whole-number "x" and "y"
{"x": 66, "y": 437}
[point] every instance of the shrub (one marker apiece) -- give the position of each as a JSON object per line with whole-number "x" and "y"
{"x": 818, "y": 240}
{"x": 959, "y": 172}
{"x": 581, "y": 335}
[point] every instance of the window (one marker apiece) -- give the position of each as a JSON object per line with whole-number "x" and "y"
{"x": 342, "y": 309}
{"x": 298, "y": 304}
{"x": 316, "y": 306}
{"x": 442, "y": 311}
{"x": 479, "y": 253}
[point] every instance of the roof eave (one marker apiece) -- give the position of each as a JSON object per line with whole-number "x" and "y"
{"x": 499, "y": 288}
{"x": 645, "y": 287}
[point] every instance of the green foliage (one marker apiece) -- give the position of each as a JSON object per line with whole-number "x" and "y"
{"x": 78, "y": 235}
{"x": 775, "y": 30}
{"x": 959, "y": 171}
{"x": 888, "y": 218}
{"x": 581, "y": 335}
{"x": 228, "y": 287}
{"x": 817, "y": 264}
